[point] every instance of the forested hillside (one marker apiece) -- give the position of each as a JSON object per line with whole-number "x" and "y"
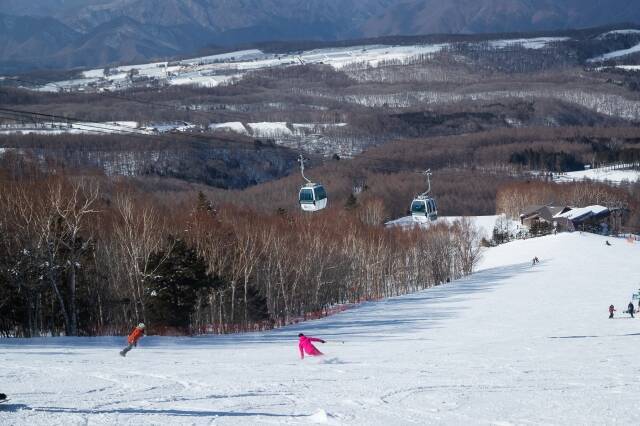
{"x": 168, "y": 193}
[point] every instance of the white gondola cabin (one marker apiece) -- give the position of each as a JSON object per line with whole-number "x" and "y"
{"x": 312, "y": 197}
{"x": 423, "y": 207}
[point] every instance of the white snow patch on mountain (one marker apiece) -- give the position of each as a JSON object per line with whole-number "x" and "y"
{"x": 231, "y": 126}
{"x": 618, "y": 32}
{"x": 314, "y": 126}
{"x": 527, "y": 43}
{"x": 616, "y": 54}
{"x": 239, "y": 55}
{"x": 203, "y": 80}
{"x": 269, "y": 129}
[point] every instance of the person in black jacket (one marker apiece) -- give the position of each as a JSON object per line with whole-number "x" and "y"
{"x": 630, "y": 309}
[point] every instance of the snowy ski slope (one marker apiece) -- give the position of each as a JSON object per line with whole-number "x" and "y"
{"x": 513, "y": 344}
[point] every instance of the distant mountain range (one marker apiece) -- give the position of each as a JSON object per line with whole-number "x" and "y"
{"x": 41, "y": 34}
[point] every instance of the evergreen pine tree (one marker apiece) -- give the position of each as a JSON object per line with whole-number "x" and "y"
{"x": 172, "y": 293}
{"x": 351, "y": 203}
{"x": 204, "y": 204}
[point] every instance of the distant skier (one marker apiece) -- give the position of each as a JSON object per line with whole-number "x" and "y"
{"x": 535, "y": 261}
{"x": 133, "y": 338}
{"x": 607, "y": 242}
{"x": 611, "y": 311}
{"x": 630, "y": 309}
{"x": 305, "y": 345}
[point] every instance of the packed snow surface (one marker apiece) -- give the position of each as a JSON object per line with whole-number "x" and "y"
{"x": 512, "y": 344}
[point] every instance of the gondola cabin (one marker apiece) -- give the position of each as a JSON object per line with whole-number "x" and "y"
{"x": 313, "y": 197}
{"x": 424, "y": 209}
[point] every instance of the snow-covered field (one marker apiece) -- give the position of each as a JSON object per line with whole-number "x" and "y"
{"x": 605, "y": 174}
{"x": 513, "y": 344}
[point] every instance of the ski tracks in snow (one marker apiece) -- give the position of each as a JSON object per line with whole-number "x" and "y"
{"x": 510, "y": 345}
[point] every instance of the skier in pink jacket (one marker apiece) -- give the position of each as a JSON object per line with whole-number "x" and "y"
{"x": 305, "y": 345}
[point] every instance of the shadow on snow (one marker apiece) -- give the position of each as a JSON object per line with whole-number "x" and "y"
{"x": 388, "y": 319}
{"x": 182, "y": 413}
{"x": 594, "y": 337}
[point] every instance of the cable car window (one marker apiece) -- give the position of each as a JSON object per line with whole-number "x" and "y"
{"x": 418, "y": 207}
{"x": 306, "y": 195}
{"x": 432, "y": 207}
{"x": 321, "y": 194}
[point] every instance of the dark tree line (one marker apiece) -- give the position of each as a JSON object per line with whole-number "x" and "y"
{"x": 87, "y": 255}
{"x": 548, "y": 161}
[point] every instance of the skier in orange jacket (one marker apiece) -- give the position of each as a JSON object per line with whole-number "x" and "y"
{"x": 133, "y": 338}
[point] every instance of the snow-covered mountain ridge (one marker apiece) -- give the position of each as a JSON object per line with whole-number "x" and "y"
{"x": 214, "y": 70}
{"x": 69, "y": 33}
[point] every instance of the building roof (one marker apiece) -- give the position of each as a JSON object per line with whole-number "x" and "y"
{"x": 582, "y": 213}
{"x": 554, "y": 210}
{"x": 547, "y": 212}
{"x": 531, "y": 210}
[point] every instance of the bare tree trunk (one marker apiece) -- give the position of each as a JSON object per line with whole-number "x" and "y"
{"x": 73, "y": 312}
{"x": 63, "y": 309}
{"x": 233, "y": 300}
